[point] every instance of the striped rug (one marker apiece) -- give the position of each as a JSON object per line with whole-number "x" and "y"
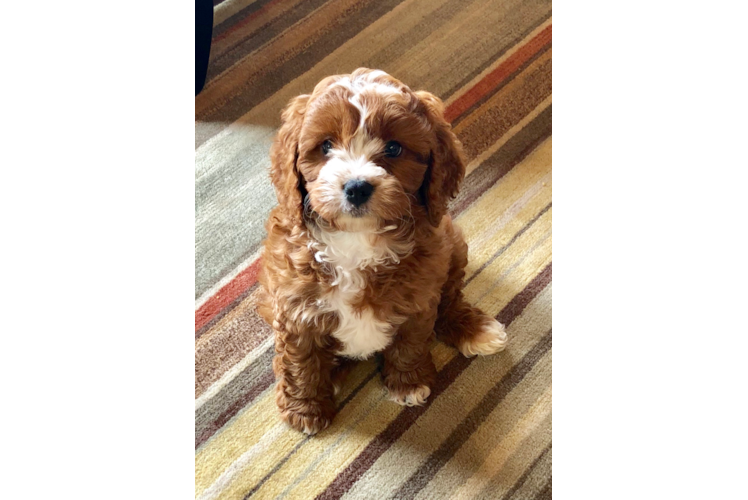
{"x": 486, "y": 431}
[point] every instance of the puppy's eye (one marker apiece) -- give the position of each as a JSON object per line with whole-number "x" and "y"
{"x": 392, "y": 149}
{"x": 326, "y": 147}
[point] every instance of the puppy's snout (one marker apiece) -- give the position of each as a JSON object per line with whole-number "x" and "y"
{"x": 357, "y": 191}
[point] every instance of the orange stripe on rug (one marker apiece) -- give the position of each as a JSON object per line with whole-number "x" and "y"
{"x": 226, "y": 295}
{"x": 495, "y": 77}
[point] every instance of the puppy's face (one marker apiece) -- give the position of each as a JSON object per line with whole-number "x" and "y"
{"x": 369, "y": 151}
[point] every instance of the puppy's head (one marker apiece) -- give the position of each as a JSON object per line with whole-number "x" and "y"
{"x": 364, "y": 151}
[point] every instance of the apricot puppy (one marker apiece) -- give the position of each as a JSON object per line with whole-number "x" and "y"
{"x": 361, "y": 256}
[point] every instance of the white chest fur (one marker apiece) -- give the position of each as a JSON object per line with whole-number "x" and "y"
{"x": 347, "y": 255}
{"x": 359, "y": 331}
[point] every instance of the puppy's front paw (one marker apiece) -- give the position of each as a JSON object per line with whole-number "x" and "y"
{"x": 414, "y": 395}
{"x": 490, "y": 339}
{"x": 309, "y": 416}
{"x": 310, "y": 422}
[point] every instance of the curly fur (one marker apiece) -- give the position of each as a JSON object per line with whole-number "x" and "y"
{"x": 342, "y": 282}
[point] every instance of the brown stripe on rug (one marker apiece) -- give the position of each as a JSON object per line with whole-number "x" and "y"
{"x": 214, "y": 419}
{"x": 262, "y": 75}
{"x": 399, "y": 45}
{"x": 346, "y": 478}
{"x": 546, "y": 493}
{"x": 505, "y": 108}
{"x": 237, "y": 394}
{"x": 502, "y": 161}
{"x": 233, "y": 337}
{"x": 225, "y": 310}
{"x": 247, "y": 41}
{"x": 240, "y": 18}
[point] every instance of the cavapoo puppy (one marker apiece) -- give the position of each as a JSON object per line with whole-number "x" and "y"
{"x": 361, "y": 256}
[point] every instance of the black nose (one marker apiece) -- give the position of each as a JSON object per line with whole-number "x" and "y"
{"x": 358, "y": 191}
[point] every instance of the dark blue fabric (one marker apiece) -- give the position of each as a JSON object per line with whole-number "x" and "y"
{"x": 203, "y": 35}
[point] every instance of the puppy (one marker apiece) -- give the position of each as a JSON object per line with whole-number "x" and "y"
{"x": 361, "y": 256}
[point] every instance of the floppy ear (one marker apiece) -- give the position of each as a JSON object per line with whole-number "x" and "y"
{"x": 285, "y": 176}
{"x": 446, "y": 166}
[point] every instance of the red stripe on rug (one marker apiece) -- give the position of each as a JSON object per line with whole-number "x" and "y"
{"x": 495, "y": 77}
{"x": 226, "y": 295}
{"x": 642, "y": 33}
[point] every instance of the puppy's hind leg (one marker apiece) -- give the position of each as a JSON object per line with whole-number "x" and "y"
{"x": 460, "y": 324}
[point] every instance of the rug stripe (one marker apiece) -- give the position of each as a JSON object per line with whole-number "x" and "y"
{"x": 219, "y": 314}
{"x": 235, "y": 371}
{"x": 497, "y": 59}
{"x": 499, "y": 442}
{"x": 526, "y": 474}
{"x": 515, "y": 100}
{"x": 514, "y": 151}
{"x": 501, "y": 73}
{"x": 235, "y": 336}
{"x": 241, "y": 390}
{"x": 241, "y": 18}
{"x": 243, "y": 44}
{"x": 528, "y": 119}
{"x": 501, "y": 250}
